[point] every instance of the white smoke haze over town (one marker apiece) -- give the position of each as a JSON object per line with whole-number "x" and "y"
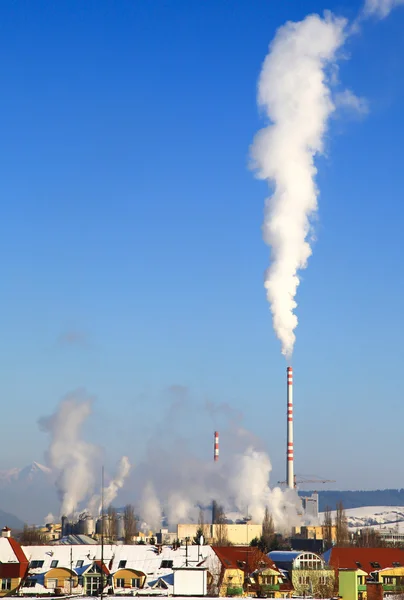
{"x": 177, "y": 480}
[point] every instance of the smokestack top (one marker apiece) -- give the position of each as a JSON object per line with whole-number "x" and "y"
{"x": 216, "y": 447}
{"x": 290, "y": 375}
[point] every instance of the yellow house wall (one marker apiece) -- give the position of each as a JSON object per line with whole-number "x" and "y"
{"x": 63, "y": 576}
{"x": 128, "y": 575}
{"x": 396, "y": 572}
{"x": 15, "y": 582}
{"x": 233, "y": 578}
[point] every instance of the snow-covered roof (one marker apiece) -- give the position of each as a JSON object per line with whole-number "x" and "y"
{"x": 7, "y": 552}
{"x": 77, "y": 539}
{"x": 138, "y": 557}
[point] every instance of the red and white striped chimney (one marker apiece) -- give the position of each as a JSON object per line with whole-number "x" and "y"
{"x": 216, "y": 447}
{"x": 289, "y": 451}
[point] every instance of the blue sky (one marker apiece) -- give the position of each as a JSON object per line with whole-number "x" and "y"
{"x": 132, "y": 257}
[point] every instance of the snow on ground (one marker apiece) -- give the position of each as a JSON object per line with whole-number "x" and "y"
{"x": 373, "y": 516}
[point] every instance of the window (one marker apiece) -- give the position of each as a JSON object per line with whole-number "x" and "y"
{"x": 135, "y": 583}
{"x": 166, "y": 564}
{"x": 36, "y": 564}
{"x": 54, "y": 564}
{"x": 52, "y": 584}
{"x": 358, "y": 564}
{"x": 388, "y": 580}
{"x": 31, "y": 582}
{"x": 323, "y": 580}
{"x": 375, "y": 565}
{"x": 122, "y": 564}
{"x": 396, "y": 564}
{"x": 79, "y": 563}
{"x": 6, "y": 584}
{"x": 120, "y": 582}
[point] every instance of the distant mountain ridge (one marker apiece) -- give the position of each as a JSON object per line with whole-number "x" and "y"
{"x": 28, "y": 492}
{"x": 9, "y": 520}
{"x": 356, "y": 499}
{"x": 25, "y": 474}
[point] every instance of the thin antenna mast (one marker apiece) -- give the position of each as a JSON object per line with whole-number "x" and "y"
{"x": 102, "y": 532}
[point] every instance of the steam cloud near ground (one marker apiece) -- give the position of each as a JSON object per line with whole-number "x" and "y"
{"x": 174, "y": 479}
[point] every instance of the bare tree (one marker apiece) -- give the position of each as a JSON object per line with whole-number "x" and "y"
{"x": 31, "y": 536}
{"x": 129, "y": 523}
{"x": 221, "y": 527}
{"x": 327, "y": 528}
{"x": 369, "y": 538}
{"x": 341, "y": 523}
{"x": 268, "y": 532}
{"x": 202, "y": 528}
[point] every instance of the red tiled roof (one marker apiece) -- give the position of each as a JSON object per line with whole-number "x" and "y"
{"x": 104, "y": 566}
{"x": 234, "y": 557}
{"x": 15, "y": 570}
{"x": 18, "y": 551}
{"x": 346, "y": 558}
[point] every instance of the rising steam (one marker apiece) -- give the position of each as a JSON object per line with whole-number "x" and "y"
{"x": 381, "y": 8}
{"x": 71, "y": 456}
{"x": 293, "y": 91}
{"x": 75, "y": 460}
{"x": 111, "y": 491}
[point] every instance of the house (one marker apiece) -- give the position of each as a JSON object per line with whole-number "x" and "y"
{"x": 368, "y": 559}
{"x": 365, "y": 567}
{"x": 243, "y": 569}
{"x": 126, "y": 569}
{"x": 307, "y": 572}
{"x": 13, "y": 565}
{"x": 352, "y": 584}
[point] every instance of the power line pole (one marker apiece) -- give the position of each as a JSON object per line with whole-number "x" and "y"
{"x": 102, "y": 533}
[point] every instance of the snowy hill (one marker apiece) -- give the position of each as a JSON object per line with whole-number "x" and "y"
{"x": 373, "y": 516}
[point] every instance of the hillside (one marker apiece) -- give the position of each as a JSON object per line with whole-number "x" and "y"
{"x": 9, "y": 520}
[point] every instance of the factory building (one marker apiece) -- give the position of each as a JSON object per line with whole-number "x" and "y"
{"x": 236, "y": 533}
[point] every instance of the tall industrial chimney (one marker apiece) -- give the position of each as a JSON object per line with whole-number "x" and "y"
{"x": 216, "y": 447}
{"x": 289, "y": 451}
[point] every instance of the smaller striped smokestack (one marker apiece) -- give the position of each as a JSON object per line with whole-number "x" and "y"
{"x": 289, "y": 450}
{"x": 216, "y": 447}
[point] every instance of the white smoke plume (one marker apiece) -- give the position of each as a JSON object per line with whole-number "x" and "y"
{"x": 293, "y": 91}
{"x": 151, "y": 509}
{"x": 71, "y": 456}
{"x": 49, "y": 519}
{"x": 381, "y": 8}
{"x": 111, "y": 491}
{"x": 240, "y": 484}
{"x": 180, "y": 482}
